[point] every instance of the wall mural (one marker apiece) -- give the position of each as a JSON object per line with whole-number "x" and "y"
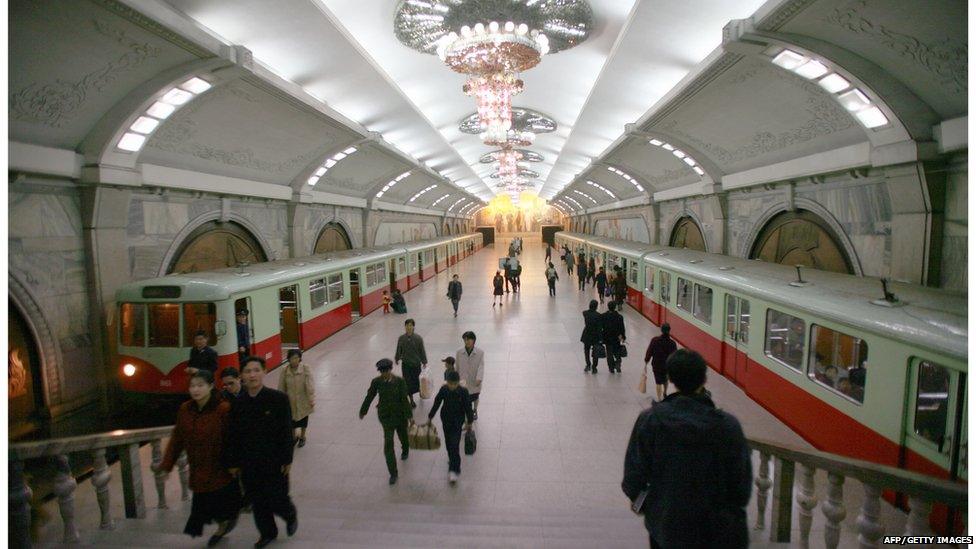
{"x": 396, "y": 233}
{"x": 528, "y": 214}
{"x": 628, "y": 228}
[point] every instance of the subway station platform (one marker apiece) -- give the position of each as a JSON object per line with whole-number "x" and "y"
{"x": 551, "y": 438}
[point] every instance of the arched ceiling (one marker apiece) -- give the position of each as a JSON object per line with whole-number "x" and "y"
{"x": 318, "y": 98}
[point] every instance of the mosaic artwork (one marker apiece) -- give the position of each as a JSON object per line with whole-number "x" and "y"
{"x": 528, "y": 214}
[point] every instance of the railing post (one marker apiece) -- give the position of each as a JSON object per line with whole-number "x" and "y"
{"x": 782, "y": 520}
{"x": 183, "y": 464}
{"x": 64, "y": 488}
{"x": 100, "y": 479}
{"x": 763, "y": 483}
{"x": 868, "y": 527}
{"x": 135, "y": 499}
{"x": 834, "y": 509}
{"x": 918, "y": 517}
{"x": 160, "y": 475}
{"x": 806, "y": 498}
{"x": 18, "y": 497}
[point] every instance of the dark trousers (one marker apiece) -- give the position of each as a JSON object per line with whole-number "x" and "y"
{"x": 401, "y": 431}
{"x": 552, "y": 286}
{"x": 454, "y": 303}
{"x": 452, "y": 442}
{"x": 267, "y": 491}
{"x": 600, "y": 291}
{"x": 582, "y": 283}
{"x": 589, "y": 353}
{"x": 569, "y": 267}
{"x": 507, "y": 282}
{"x": 613, "y": 355}
{"x": 517, "y": 284}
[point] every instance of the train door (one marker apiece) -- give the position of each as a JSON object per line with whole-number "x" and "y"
{"x": 244, "y": 305}
{"x": 420, "y": 265}
{"x": 289, "y": 317}
{"x": 735, "y": 350}
{"x": 437, "y": 257}
{"x": 354, "y": 293}
{"x": 393, "y": 274}
{"x": 936, "y": 426}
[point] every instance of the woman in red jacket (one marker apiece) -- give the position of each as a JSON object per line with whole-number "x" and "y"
{"x": 201, "y": 428}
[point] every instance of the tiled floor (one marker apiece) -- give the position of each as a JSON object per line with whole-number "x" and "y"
{"x": 551, "y": 439}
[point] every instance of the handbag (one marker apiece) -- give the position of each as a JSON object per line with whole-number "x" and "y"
{"x": 600, "y": 350}
{"x": 642, "y": 386}
{"x": 622, "y": 351}
{"x": 423, "y": 437}
{"x": 470, "y": 442}
{"x": 606, "y": 291}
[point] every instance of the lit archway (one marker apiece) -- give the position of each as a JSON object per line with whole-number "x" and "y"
{"x": 25, "y": 385}
{"x": 687, "y": 234}
{"x": 801, "y": 238}
{"x": 216, "y": 245}
{"x": 332, "y": 238}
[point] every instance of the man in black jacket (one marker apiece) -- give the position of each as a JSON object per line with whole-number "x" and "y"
{"x": 259, "y": 447}
{"x": 592, "y": 336}
{"x": 454, "y": 290}
{"x": 202, "y": 356}
{"x": 693, "y": 461}
{"x": 614, "y": 334}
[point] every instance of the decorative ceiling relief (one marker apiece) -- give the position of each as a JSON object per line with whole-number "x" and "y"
{"x": 55, "y": 103}
{"x": 947, "y": 60}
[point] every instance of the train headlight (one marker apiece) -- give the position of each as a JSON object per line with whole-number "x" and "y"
{"x": 129, "y": 370}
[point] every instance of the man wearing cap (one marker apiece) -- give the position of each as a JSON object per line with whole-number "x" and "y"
{"x": 243, "y": 336}
{"x": 393, "y": 410}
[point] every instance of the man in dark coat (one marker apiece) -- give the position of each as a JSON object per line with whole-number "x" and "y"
{"x": 592, "y": 336}
{"x": 454, "y": 290}
{"x": 619, "y": 286}
{"x": 581, "y": 271}
{"x": 693, "y": 460}
{"x": 260, "y": 442}
{"x": 657, "y": 354}
{"x": 614, "y": 334}
{"x": 601, "y": 283}
{"x": 243, "y": 337}
{"x": 202, "y": 356}
{"x": 393, "y": 412}
{"x": 410, "y": 349}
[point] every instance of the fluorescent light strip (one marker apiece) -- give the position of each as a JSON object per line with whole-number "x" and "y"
{"x": 853, "y": 99}
{"x": 685, "y": 157}
{"x": 627, "y": 176}
{"x": 588, "y": 197}
{"x": 140, "y": 130}
{"x": 456, "y": 202}
{"x": 602, "y": 188}
{"x": 438, "y": 201}
{"x": 421, "y": 193}
{"x": 330, "y": 162}
{"x": 392, "y": 183}
{"x": 573, "y": 200}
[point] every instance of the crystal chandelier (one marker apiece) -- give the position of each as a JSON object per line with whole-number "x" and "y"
{"x": 493, "y": 94}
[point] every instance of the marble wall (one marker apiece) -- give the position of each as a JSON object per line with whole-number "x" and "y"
{"x": 46, "y": 255}
{"x": 955, "y": 242}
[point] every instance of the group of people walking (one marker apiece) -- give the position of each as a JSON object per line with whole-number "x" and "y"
{"x": 604, "y": 336}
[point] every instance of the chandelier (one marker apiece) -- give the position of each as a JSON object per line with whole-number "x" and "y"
{"x": 527, "y": 156}
{"x": 493, "y": 95}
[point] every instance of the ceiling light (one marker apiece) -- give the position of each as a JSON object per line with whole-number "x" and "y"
{"x": 789, "y": 59}
{"x": 689, "y": 160}
{"x": 811, "y": 69}
{"x": 679, "y": 153}
{"x": 379, "y": 194}
{"x": 329, "y": 163}
{"x": 338, "y": 156}
{"x": 313, "y": 180}
{"x": 196, "y": 85}
{"x": 349, "y": 151}
{"x": 667, "y": 147}
{"x": 436, "y": 202}
{"x": 144, "y": 125}
{"x": 655, "y": 142}
{"x": 699, "y": 171}
{"x": 131, "y": 142}
{"x": 176, "y": 96}
{"x": 834, "y": 83}
{"x": 872, "y": 117}
{"x": 854, "y": 100}
{"x": 160, "y": 110}
{"x": 321, "y": 171}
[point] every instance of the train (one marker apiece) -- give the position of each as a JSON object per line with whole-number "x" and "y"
{"x": 292, "y": 303}
{"x": 870, "y": 370}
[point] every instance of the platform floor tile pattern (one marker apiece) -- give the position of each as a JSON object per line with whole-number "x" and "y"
{"x": 551, "y": 439}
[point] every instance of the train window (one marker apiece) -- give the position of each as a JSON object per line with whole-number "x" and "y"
{"x": 665, "y": 287}
{"x": 318, "y": 293}
{"x": 648, "y": 278}
{"x": 196, "y": 317}
{"x": 731, "y": 318}
{"x": 837, "y": 361}
{"x": 785, "y": 336}
{"x": 685, "y": 294}
{"x": 370, "y": 275}
{"x": 932, "y": 401}
{"x": 401, "y": 265}
{"x": 164, "y": 325}
{"x": 335, "y": 287}
{"x": 380, "y": 273}
{"x": 703, "y": 303}
{"x": 632, "y": 273}
{"x": 133, "y": 324}
{"x": 743, "y": 321}
{"x": 413, "y": 262}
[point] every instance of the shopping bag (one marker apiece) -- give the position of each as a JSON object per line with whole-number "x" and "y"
{"x": 642, "y": 386}
{"x": 470, "y": 442}
{"x": 426, "y": 384}
{"x": 423, "y": 437}
{"x": 599, "y": 351}
{"x": 622, "y": 352}
{"x": 606, "y": 291}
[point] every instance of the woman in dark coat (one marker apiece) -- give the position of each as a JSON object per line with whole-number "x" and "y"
{"x": 201, "y": 428}
{"x": 601, "y": 283}
{"x": 498, "y": 283}
{"x": 591, "y": 271}
{"x": 399, "y": 304}
{"x": 619, "y": 287}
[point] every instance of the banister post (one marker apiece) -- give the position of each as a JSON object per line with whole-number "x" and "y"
{"x": 135, "y": 499}
{"x": 100, "y": 479}
{"x": 160, "y": 476}
{"x": 64, "y": 487}
{"x": 782, "y": 512}
{"x": 868, "y": 527}
{"x": 834, "y": 510}
{"x": 763, "y": 482}
{"x": 18, "y": 497}
{"x": 183, "y": 464}
{"x": 807, "y": 500}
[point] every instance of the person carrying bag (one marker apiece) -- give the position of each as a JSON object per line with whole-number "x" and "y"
{"x": 423, "y": 437}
